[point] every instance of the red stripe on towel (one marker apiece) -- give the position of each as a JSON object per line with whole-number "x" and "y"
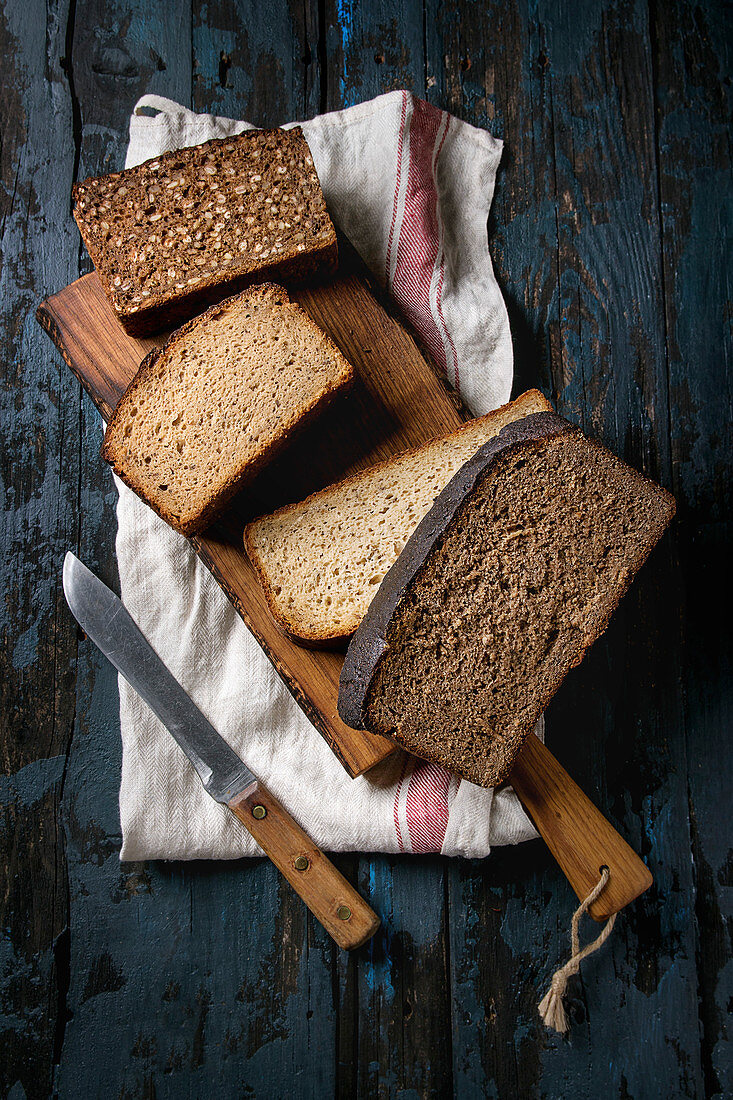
{"x": 426, "y": 807}
{"x": 419, "y": 232}
{"x": 396, "y": 811}
{"x": 398, "y": 180}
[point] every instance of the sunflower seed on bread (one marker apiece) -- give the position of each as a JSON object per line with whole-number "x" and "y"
{"x": 189, "y": 227}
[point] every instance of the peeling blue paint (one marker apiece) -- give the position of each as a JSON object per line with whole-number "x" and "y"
{"x": 345, "y": 17}
{"x": 26, "y": 647}
{"x": 29, "y": 785}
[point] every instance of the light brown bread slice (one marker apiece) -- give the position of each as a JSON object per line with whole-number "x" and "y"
{"x": 320, "y": 561}
{"x": 510, "y": 577}
{"x": 184, "y": 229}
{"x": 218, "y": 400}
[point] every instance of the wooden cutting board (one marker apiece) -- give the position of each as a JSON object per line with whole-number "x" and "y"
{"x": 398, "y": 401}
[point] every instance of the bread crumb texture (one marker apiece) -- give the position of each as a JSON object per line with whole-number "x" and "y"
{"x": 204, "y": 216}
{"x": 321, "y": 561}
{"x": 523, "y": 580}
{"x": 217, "y": 400}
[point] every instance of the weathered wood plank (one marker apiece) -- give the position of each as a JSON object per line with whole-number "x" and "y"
{"x": 215, "y": 976}
{"x": 115, "y": 53}
{"x": 693, "y": 66}
{"x": 505, "y": 915}
{"x": 578, "y": 250}
{"x": 260, "y": 66}
{"x": 370, "y": 49}
{"x": 39, "y": 468}
{"x": 404, "y": 1041}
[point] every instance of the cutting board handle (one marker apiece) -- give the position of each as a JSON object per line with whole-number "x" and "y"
{"x": 330, "y": 897}
{"x": 578, "y": 835}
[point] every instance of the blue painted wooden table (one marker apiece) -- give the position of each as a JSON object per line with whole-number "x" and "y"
{"x": 610, "y": 235}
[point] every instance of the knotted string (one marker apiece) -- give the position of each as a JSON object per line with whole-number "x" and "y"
{"x": 551, "y": 1007}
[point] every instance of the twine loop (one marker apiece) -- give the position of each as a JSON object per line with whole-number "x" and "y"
{"x": 551, "y": 1008}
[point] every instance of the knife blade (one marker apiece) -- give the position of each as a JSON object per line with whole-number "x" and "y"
{"x": 330, "y": 897}
{"x": 104, "y": 618}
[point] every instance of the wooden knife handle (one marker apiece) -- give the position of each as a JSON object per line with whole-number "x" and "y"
{"x": 331, "y": 899}
{"x": 578, "y": 835}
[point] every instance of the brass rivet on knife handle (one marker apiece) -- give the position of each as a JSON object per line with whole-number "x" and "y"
{"x": 576, "y": 832}
{"x": 259, "y": 812}
{"x": 330, "y": 897}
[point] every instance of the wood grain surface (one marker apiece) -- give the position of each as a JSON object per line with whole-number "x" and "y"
{"x": 579, "y": 837}
{"x": 610, "y": 235}
{"x": 397, "y": 401}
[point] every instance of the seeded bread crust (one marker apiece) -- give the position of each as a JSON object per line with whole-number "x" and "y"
{"x": 316, "y": 636}
{"x": 140, "y": 225}
{"x": 111, "y": 450}
{"x": 369, "y": 647}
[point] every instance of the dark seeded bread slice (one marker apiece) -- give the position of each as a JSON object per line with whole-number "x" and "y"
{"x": 183, "y": 230}
{"x": 218, "y": 400}
{"x": 320, "y": 561}
{"x": 509, "y": 578}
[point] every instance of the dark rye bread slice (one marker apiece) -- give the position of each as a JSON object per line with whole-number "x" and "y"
{"x": 509, "y": 578}
{"x": 222, "y": 396}
{"x": 187, "y": 228}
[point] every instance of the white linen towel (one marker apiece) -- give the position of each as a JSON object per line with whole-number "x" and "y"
{"x": 411, "y": 187}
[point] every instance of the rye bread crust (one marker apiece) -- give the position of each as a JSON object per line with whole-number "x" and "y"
{"x": 369, "y": 646}
{"x": 171, "y": 305}
{"x": 233, "y": 485}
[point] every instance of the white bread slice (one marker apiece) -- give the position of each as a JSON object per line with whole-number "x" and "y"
{"x": 321, "y": 561}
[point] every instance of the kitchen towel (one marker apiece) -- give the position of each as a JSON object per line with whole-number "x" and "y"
{"x": 411, "y": 187}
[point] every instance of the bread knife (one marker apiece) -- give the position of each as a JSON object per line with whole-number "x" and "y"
{"x": 332, "y": 900}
